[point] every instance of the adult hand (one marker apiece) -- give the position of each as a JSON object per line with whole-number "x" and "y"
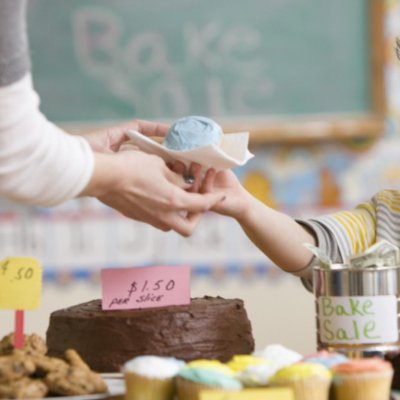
{"x": 143, "y": 188}
{"x": 109, "y": 140}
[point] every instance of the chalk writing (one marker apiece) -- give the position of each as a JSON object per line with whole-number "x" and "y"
{"x": 142, "y": 70}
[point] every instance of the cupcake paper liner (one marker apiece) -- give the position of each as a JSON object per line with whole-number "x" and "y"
{"x": 363, "y": 386}
{"x": 142, "y": 388}
{"x": 314, "y": 388}
{"x": 189, "y": 390}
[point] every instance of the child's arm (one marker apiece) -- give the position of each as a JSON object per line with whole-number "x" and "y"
{"x": 277, "y": 235}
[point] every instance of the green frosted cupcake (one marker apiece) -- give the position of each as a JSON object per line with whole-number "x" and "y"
{"x": 191, "y": 381}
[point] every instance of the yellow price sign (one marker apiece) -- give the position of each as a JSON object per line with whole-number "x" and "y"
{"x": 20, "y": 283}
{"x": 249, "y": 394}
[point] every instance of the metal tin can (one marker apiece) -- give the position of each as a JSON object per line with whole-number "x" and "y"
{"x": 357, "y": 310}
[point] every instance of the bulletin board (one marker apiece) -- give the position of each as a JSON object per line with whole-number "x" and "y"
{"x": 285, "y": 70}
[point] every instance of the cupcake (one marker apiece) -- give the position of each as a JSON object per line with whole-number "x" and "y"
{"x": 240, "y": 362}
{"x": 279, "y": 355}
{"x": 256, "y": 375}
{"x": 362, "y": 379}
{"x": 212, "y": 365}
{"x": 326, "y": 358}
{"x": 151, "y": 377}
{"x": 308, "y": 381}
{"x": 191, "y": 132}
{"x": 192, "y": 380}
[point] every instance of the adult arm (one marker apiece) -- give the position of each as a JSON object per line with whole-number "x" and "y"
{"x": 43, "y": 165}
{"x": 39, "y": 163}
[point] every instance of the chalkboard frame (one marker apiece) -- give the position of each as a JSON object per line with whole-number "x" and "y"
{"x": 298, "y": 130}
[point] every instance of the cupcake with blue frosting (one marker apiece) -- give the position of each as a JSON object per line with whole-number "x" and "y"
{"x": 192, "y": 132}
{"x": 326, "y": 358}
{"x": 195, "y": 378}
{"x": 212, "y": 365}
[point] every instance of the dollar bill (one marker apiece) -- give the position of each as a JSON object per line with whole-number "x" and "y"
{"x": 323, "y": 258}
{"x": 381, "y": 254}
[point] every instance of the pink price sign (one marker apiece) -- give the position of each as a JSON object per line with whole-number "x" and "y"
{"x": 145, "y": 287}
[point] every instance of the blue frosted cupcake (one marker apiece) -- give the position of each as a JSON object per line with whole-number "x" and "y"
{"x": 191, "y": 381}
{"x": 326, "y": 358}
{"x": 191, "y": 132}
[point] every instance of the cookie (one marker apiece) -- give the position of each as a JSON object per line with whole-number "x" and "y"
{"x": 24, "y": 388}
{"x": 45, "y": 365}
{"x": 75, "y": 360}
{"x": 75, "y": 381}
{"x": 15, "y": 367}
{"x": 33, "y": 344}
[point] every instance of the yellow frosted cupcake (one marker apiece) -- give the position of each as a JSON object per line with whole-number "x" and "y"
{"x": 251, "y": 371}
{"x": 362, "y": 379}
{"x": 151, "y": 377}
{"x": 308, "y": 381}
{"x": 240, "y": 362}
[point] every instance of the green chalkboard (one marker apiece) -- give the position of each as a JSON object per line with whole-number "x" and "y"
{"x": 253, "y": 60}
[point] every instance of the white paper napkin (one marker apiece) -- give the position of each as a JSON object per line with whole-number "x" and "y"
{"x": 231, "y": 152}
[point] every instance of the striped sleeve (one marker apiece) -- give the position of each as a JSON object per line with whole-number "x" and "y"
{"x": 346, "y": 233}
{"x": 353, "y": 231}
{"x": 340, "y": 235}
{"x": 325, "y": 241}
{"x": 387, "y": 205}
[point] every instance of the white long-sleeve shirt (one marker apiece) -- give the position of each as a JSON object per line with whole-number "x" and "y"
{"x": 40, "y": 164}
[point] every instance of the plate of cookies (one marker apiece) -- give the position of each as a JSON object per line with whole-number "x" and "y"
{"x": 115, "y": 387}
{"x": 29, "y": 373}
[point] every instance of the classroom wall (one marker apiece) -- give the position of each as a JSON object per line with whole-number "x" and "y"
{"x": 301, "y": 181}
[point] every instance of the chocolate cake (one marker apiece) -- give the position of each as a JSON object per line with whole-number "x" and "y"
{"x": 209, "y": 327}
{"x": 394, "y": 359}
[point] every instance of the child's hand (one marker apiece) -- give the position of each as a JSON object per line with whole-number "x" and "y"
{"x": 237, "y": 199}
